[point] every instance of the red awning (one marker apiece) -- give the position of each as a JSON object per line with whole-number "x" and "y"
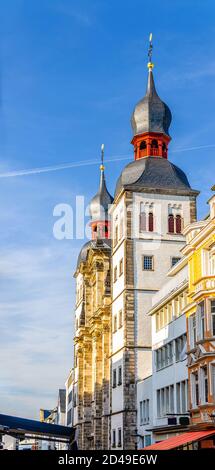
{"x": 180, "y": 440}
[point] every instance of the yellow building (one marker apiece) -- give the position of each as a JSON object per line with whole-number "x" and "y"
{"x": 91, "y": 383}
{"x": 200, "y": 313}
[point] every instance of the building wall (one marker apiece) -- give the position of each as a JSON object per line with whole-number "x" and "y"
{"x": 134, "y": 290}
{"x": 200, "y": 250}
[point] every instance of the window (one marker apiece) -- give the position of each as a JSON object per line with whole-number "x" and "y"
{"x": 74, "y": 400}
{"x": 121, "y": 267}
{"x": 164, "y": 356}
{"x": 114, "y": 438}
{"x": 144, "y": 412}
{"x": 115, "y": 274}
{"x": 116, "y": 236}
{"x": 154, "y": 144}
{"x": 192, "y": 330}
{"x": 120, "y": 319}
{"x": 143, "y": 145}
{"x": 69, "y": 417}
{"x": 151, "y": 222}
{"x": 174, "y": 260}
{"x": 142, "y": 218}
{"x": 213, "y": 316}
{"x": 120, "y": 375}
{"x": 147, "y": 440}
{"x": 165, "y": 401}
{"x": 119, "y": 437}
{"x": 114, "y": 323}
{"x": 114, "y": 378}
{"x": 195, "y": 389}
{"x": 202, "y": 319}
{"x": 213, "y": 380}
{"x": 205, "y": 383}
{"x": 171, "y": 223}
{"x": 69, "y": 397}
{"x": 178, "y": 224}
{"x": 148, "y": 263}
{"x": 181, "y": 397}
{"x": 141, "y": 412}
{"x": 180, "y": 346}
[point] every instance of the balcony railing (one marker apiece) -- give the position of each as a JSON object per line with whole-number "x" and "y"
{"x": 207, "y": 283}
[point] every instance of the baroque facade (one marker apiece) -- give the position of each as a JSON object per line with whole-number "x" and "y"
{"x": 136, "y": 239}
{"x": 200, "y": 312}
{"x": 91, "y": 385}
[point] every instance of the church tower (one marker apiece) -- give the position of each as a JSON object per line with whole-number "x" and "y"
{"x": 92, "y": 328}
{"x": 153, "y": 202}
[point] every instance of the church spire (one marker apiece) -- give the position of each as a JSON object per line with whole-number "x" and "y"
{"x": 99, "y": 206}
{"x": 151, "y": 119}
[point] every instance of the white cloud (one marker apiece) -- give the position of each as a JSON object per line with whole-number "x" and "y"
{"x": 36, "y": 318}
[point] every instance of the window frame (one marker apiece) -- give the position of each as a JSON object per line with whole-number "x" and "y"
{"x": 144, "y": 259}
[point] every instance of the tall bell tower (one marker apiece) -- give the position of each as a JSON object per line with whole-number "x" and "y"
{"x": 153, "y": 201}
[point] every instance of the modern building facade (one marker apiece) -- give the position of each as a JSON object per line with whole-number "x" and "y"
{"x": 168, "y": 410}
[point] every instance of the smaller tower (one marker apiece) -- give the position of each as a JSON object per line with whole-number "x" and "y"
{"x": 99, "y": 206}
{"x": 151, "y": 120}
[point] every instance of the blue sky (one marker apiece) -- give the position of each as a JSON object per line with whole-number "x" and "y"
{"x": 70, "y": 75}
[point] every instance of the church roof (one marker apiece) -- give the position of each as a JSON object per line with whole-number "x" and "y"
{"x": 100, "y": 203}
{"x": 151, "y": 114}
{"x": 154, "y": 173}
{"x": 92, "y": 244}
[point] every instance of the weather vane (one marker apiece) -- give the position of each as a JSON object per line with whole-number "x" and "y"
{"x": 102, "y": 157}
{"x": 150, "y": 64}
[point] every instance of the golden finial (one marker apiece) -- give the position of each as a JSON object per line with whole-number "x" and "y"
{"x": 102, "y": 157}
{"x": 150, "y": 64}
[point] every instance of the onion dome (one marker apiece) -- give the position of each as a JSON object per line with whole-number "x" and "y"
{"x": 101, "y": 202}
{"x": 151, "y": 114}
{"x": 104, "y": 244}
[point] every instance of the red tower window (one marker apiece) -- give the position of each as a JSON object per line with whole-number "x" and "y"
{"x": 154, "y": 144}
{"x": 143, "y": 145}
{"x": 151, "y": 222}
{"x": 171, "y": 224}
{"x": 178, "y": 224}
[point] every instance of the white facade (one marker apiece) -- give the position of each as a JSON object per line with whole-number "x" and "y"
{"x": 169, "y": 381}
{"x": 144, "y": 412}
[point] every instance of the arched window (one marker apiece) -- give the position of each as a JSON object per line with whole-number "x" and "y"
{"x": 142, "y": 219}
{"x": 154, "y": 144}
{"x": 143, "y": 145}
{"x": 151, "y": 222}
{"x": 171, "y": 223}
{"x": 178, "y": 224}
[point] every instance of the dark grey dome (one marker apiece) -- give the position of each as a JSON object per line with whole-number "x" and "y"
{"x": 92, "y": 244}
{"x": 151, "y": 114}
{"x": 100, "y": 203}
{"x": 153, "y": 173}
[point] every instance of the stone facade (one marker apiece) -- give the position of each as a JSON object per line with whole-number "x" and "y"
{"x": 91, "y": 351}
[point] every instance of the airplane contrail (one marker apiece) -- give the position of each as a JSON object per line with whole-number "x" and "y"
{"x": 63, "y": 166}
